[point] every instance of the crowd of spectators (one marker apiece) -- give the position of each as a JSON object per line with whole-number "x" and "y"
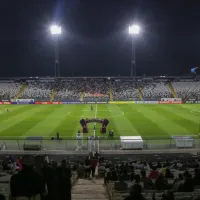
{"x": 67, "y": 90}
{"x": 81, "y": 89}
{"x": 9, "y": 89}
{"x": 96, "y": 90}
{"x": 137, "y": 179}
{"x": 155, "y": 90}
{"x": 44, "y": 177}
{"x": 89, "y": 89}
{"x": 35, "y": 176}
{"x": 187, "y": 90}
{"x": 39, "y": 90}
{"x": 125, "y": 89}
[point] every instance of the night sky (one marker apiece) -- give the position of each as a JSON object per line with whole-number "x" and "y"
{"x": 95, "y": 39}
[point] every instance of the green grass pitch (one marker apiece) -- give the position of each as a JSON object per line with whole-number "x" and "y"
{"x": 149, "y": 121}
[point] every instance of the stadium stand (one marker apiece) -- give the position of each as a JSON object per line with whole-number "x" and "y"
{"x": 40, "y": 90}
{"x": 96, "y": 90}
{"x": 99, "y": 89}
{"x": 125, "y": 89}
{"x": 187, "y": 90}
{"x": 68, "y": 90}
{"x": 9, "y": 89}
{"x": 118, "y": 176}
{"x": 102, "y": 176}
{"x": 155, "y": 90}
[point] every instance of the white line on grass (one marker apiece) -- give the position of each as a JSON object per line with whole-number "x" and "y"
{"x": 95, "y": 115}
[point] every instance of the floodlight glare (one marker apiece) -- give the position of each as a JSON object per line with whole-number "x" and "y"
{"x": 55, "y": 30}
{"x": 134, "y": 29}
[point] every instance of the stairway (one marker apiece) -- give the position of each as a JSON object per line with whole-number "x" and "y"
{"x": 82, "y": 96}
{"x": 111, "y": 96}
{"x": 172, "y": 90}
{"x": 140, "y": 94}
{"x": 53, "y": 95}
{"x": 23, "y": 86}
{"x": 85, "y": 189}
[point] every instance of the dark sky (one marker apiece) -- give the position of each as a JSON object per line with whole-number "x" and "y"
{"x": 95, "y": 39}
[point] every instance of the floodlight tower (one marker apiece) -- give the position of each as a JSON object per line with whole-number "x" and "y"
{"x": 133, "y": 31}
{"x": 56, "y": 31}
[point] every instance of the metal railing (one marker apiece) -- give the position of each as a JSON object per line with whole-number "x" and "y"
{"x": 72, "y": 144}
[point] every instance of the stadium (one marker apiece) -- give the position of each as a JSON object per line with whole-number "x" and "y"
{"x": 99, "y": 100}
{"x": 38, "y": 108}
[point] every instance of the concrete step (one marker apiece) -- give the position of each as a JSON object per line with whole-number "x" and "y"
{"x": 89, "y": 189}
{"x": 88, "y": 196}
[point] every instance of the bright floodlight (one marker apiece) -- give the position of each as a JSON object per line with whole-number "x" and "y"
{"x": 55, "y": 30}
{"x": 134, "y": 29}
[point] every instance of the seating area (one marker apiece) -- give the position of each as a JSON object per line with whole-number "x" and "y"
{"x": 114, "y": 177}
{"x": 125, "y": 89}
{"x": 187, "y": 90}
{"x": 68, "y": 90}
{"x": 98, "y": 89}
{"x": 39, "y": 90}
{"x": 155, "y": 90}
{"x": 180, "y": 177}
{"x": 9, "y": 89}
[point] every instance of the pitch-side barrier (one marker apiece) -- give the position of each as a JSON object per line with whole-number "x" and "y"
{"x": 110, "y": 102}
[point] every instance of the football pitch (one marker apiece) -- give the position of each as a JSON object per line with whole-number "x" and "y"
{"x": 148, "y": 121}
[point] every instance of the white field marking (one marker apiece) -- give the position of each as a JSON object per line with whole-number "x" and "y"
{"x": 95, "y": 115}
{"x": 194, "y": 111}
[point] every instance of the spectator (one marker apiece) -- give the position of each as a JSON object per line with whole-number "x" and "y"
{"x": 168, "y": 195}
{"x": 121, "y": 185}
{"x": 137, "y": 178}
{"x": 180, "y": 178}
{"x": 27, "y": 183}
{"x": 161, "y": 183}
{"x": 154, "y": 173}
{"x": 64, "y": 181}
{"x": 177, "y": 181}
{"x": 107, "y": 175}
{"x": 147, "y": 182}
{"x": 159, "y": 165}
{"x": 2, "y": 197}
{"x": 168, "y": 174}
{"x": 197, "y": 198}
{"x": 196, "y": 177}
{"x": 113, "y": 174}
{"x": 87, "y": 168}
{"x": 179, "y": 165}
{"x": 48, "y": 175}
{"x": 187, "y": 185}
{"x": 94, "y": 163}
{"x": 167, "y": 164}
{"x": 135, "y": 193}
